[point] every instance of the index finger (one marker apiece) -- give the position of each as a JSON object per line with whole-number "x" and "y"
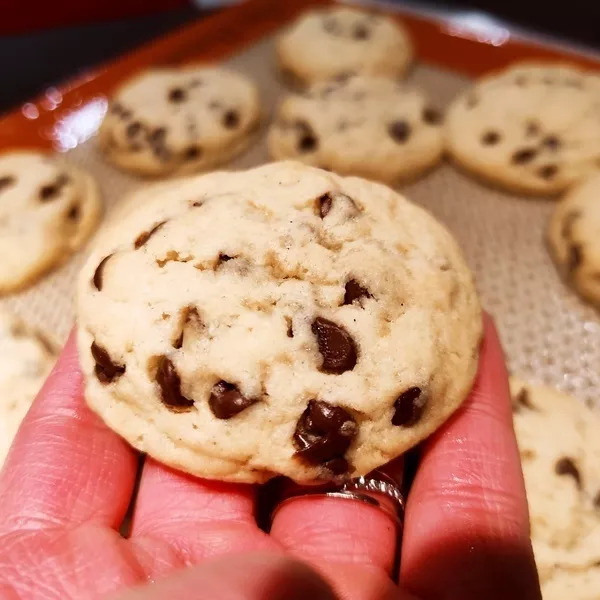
{"x": 467, "y": 526}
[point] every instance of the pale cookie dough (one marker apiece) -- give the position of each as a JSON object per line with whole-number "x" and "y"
{"x": 368, "y": 126}
{"x": 282, "y": 320}
{"x": 560, "y": 452}
{"x": 342, "y": 41}
{"x": 179, "y": 120}
{"x": 574, "y": 238}
{"x": 47, "y": 211}
{"x": 25, "y": 360}
{"x": 530, "y": 128}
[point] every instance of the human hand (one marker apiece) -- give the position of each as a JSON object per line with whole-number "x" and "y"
{"x": 67, "y": 482}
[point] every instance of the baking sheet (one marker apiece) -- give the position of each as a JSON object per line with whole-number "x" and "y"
{"x": 549, "y": 335}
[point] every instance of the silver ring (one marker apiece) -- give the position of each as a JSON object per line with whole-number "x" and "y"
{"x": 363, "y": 489}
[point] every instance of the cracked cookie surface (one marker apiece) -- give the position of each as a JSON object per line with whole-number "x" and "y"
{"x": 282, "y": 320}
{"x": 560, "y": 453}
{"x": 368, "y": 126}
{"x": 341, "y": 41}
{"x": 179, "y": 120}
{"x": 574, "y": 238}
{"x": 531, "y": 128}
{"x": 47, "y": 211}
{"x": 27, "y": 358}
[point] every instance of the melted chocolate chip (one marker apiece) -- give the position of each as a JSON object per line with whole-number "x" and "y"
{"x": 177, "y": 95}
{"x": 231, "y": 119}
{"x": 48, "y": 192}
{"x": 566, "y": 466}
{"x": 290, "y": 328}
{"x": 408, "y": 407}
{"x": 552, "y": 142}
{"x": 597, "y": 500}
{"x": 74, "y": 213}
{"x": 225, "y": 257}
{"x": 335, "y": 345}
{"x": 522, "y": 399}
{"x": 431, "y": 116}
{"x": 146, "y": 235}
{"x": 106, "y": 370}
{"x": 399, "y": 131}
{"x": 547, "y": 171}
{"x": 133, "y": 129}
{"x": 325, "y": 203}
{"x": 523, "y": 156}
{"x": 307, "y": 142}
{"x": 575, "y": 257}
{"x": 192, "y": 152}
{"x": 354, "y": 291}
{"x": 323, "y": 434}
{"x": 6, "y": 181}
{"x": 226, "y": 400}
{"x": 170, "y": 385}
{"x": 98, "y": 273}
{"x": 490, "y": 138}
{"x": 361, "y": 32}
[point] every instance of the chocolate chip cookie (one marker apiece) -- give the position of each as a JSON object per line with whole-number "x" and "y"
{"x": 560, "y": 451}
{"x": 368, "y": 126}
{"x": 47, "y": 211}
{"x": 282, "y": 320}
{"x": 25, "y": 359}
{"x": 530, "y": 128}
{"x": 574, "y": 238}
{"x": 337, "y": 42}
{"x": 174, "y": 121}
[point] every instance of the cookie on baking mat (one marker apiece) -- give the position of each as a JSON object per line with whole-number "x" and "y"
{"x": 560, "y": 451}
{"x": 368, "y": 126}
{"x": 25, "y": 360}
{"x": 530, "y": 128}
{"x": 281, "y": 320}
{"x": 179, "y": 120}
{"x": 336, "y": 42}
{"x": 47, "y": 211}
{"x": 574, "y": 238}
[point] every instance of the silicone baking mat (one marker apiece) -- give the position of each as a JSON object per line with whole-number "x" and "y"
{"x": 549, "y": 335}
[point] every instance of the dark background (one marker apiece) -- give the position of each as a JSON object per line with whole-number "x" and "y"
{"x": 31, "y": 61}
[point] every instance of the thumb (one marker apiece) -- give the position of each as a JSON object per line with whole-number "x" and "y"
{"x": 238, "y": 577}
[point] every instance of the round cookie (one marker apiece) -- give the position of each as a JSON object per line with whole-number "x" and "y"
{"x": 560, "y": 452}
{"x": 47, "y": 211}
{"x": 531, "y": 128}
{"x": 179, "y": 120}
{"x": 25, "y": 360}
{"x": 367, "y": 126}
{"x": 282, "y": 320}
{"x": 342, "y": 41}
{"x": 574, "y": 238}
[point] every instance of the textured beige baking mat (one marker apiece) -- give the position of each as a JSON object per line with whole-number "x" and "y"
{"x": 549, "y": 335}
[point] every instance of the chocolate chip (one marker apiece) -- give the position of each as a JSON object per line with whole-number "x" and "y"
{"x": 431, "y": 116}
{"x": 323, "y": 434}
{"x": 50, "y": 191}
{"x": 106, "y": 370}
{"x": 354, "y": 291}
{"x": 361, "y": 33}
{"x": 192, "y": 152}
{"x": 290, "y": 328}
{"x": 325, "y": 202}
{"x": 399, "y": 131}
{"x": 226, "y": 400}
{"x": 189, "y": 316}
{"x": 98, "y": 273}
{"x": 157, "y": 136}
{"x": 116, "y": 108}
{"x": 566, "y": 466}
{"x": 335, "y": 345}
{"x": 170, "y": 385}
{"x": 568, "y": 221}
{"x": 597, "y": 500}
{"x": 307, "y": 141}
{"x": 521, "y": 80}
{"x": 547, "y": 171}
{"x": 472, "y": 101}
{"x": 146, "y": 235}
{"x": 552, "y": 142}
{"x": 522, "y": 399}
{"x": 408, "y": 407}
{"x": 575, "y": 257}
{"x": 74, "y": 213}
{"x": 6, "y": 181}
{"x": 215, "y": 104}
{"x": 523, "y": 156}
{"x": 133, "y": 129}
{"x": 490, "y": 138}
{"x": 532, "y": 129}
{"x": 231, "y": 119}
{"x": 177, "y": 95}
{"x": 223, "y": 258}
{"x": 330, "y": 25}
{"x": 195, "y": 83}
